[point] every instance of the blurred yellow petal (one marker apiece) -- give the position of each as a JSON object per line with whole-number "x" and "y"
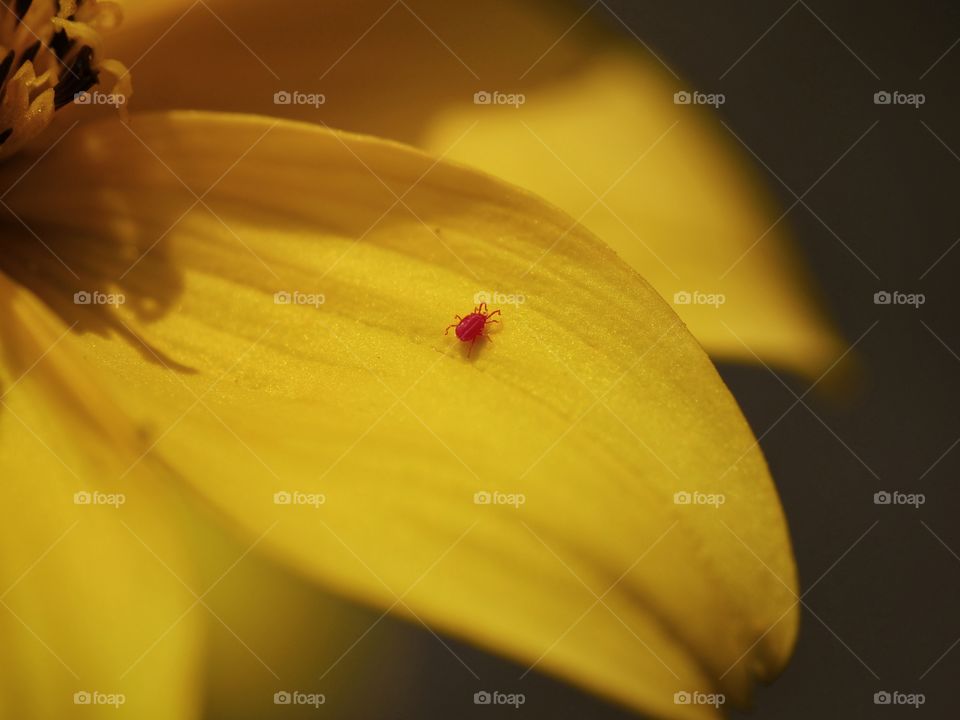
{"x": 90, "y": 619}
{"x": 656, "y": 181}
{"x": 276, "y": 630}
{"x": 592, "y": 401}
{"x": 598, "y": 134}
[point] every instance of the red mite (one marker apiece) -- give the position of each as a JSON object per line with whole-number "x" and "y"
{"x": 471, "y": 327}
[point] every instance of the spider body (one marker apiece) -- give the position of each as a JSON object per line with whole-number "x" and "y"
{"x": 470, "y": 328}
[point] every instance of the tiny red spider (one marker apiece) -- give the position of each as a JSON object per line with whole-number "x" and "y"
{"x": 471, "y": 327}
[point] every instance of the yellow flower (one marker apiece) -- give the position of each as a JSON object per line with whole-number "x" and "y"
{"x": 216, "y": 320}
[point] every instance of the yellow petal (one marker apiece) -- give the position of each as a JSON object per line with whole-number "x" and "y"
{"x": 90, "y": 617}
{"x": 592, "y": 400}
{"x": 276, "y": 630}
{"x": 599, "y": 135}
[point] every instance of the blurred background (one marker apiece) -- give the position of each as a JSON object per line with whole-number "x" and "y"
{"x": 869, "y": 195}
{"x": 884, "y": 617}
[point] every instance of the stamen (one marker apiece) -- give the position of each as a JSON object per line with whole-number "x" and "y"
{"x": 61, "y": 44}
{"x": 52, "y": 55}
{"x": 29, "y": 54}
{"x": 21, "y": 8}
{"x": 5, "y": 66}
{"x": 81, "y": 76}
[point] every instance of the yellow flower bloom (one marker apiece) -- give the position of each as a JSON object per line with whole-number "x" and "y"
{"x": 237, "y": 321}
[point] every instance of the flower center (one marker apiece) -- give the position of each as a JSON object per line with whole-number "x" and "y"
{"x": 51, "y": 54}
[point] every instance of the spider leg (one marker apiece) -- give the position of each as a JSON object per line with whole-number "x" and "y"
{"x": 495, "y": 312}
{"x": 453, "y": 324}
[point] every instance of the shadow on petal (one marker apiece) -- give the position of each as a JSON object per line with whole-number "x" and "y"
{"x": 88, "y": 251}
